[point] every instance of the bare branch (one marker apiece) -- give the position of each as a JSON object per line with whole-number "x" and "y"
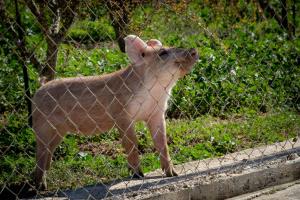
{"x": 7, "y": 22}
{"x": 282, "y": 21}
{"x": 39, "y": 14}
{"x": 266, "y": 7}
{"x": 119, "y": 14}
{"x": 67, "y": 17}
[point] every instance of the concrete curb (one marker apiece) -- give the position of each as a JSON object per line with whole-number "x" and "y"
{"x": 238, "y": 184}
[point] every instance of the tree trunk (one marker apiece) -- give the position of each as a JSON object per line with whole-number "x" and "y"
{"x": 20, "y": 44}
{"x": 294, "y": 17}
{"x": 48, "y": 71}
{"x": 284, "y": 18}
{"x": 281, "y": 20}
{"x": 119, "y": 15}
{"x": 62, "y": 14}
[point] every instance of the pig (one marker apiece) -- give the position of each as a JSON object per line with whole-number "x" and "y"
{"x": 95, "y": 104}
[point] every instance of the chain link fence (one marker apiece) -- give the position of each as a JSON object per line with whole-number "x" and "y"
{"x": 112, "y": 90}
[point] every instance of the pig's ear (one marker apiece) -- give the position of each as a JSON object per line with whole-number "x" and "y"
{"x": 154, "y": 43}
{"x": 135, "y": 48}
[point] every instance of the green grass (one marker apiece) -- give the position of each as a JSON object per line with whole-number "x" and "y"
{"x": 80, "y": 161}
{"x": 86, "y": 62}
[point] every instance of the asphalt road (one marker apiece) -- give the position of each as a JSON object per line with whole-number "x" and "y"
{"x": 290, "y": 191}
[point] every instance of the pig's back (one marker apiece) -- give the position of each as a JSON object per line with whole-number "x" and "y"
{"x": 73, "y": 104}
{"x": 66, "y": 92}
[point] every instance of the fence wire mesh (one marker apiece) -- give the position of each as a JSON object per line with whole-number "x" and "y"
{"x": 110, "y": 90}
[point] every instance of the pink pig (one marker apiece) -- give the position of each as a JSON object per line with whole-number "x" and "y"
{"x": 95, "y": 104}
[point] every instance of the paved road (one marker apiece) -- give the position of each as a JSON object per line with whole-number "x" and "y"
{"x": 290, "y": 191}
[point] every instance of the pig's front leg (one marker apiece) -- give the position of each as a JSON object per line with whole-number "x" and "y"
{"x": 157, "y": 126}
{"x": 129, "y": 142}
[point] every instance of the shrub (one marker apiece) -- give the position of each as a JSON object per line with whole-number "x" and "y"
{"x": 91, "y": 31}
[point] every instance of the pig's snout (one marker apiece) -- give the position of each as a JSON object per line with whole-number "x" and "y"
{"x": 193, "y": 54}
{"x": 190, "y": 57}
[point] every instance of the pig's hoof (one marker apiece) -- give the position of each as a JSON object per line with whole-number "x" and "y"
{"x": 41, "y": 186}
{"x": 171, "y": 173}
{"x": 138, "y": 175}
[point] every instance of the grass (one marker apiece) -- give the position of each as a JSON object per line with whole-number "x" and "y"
{"x": 80, "y": 161}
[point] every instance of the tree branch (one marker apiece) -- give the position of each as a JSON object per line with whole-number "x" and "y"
{"x": 119, "y": 14}
{"x": 39, "y": 14}
{"x": 67, "y": 17}
{"x": 7, "y": 22}
{"x": 264, "y": 4}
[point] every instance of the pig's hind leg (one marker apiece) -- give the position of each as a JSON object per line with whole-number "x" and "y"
{"x": 47, "y": 141}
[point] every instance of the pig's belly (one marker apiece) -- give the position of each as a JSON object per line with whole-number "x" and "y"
{"x": 82, "y": 121}
{"x": 89, "y": 126}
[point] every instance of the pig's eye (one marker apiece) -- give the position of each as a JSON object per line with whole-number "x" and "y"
{"x": 143, "y": 54}
{"x": 163, "y": 53}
